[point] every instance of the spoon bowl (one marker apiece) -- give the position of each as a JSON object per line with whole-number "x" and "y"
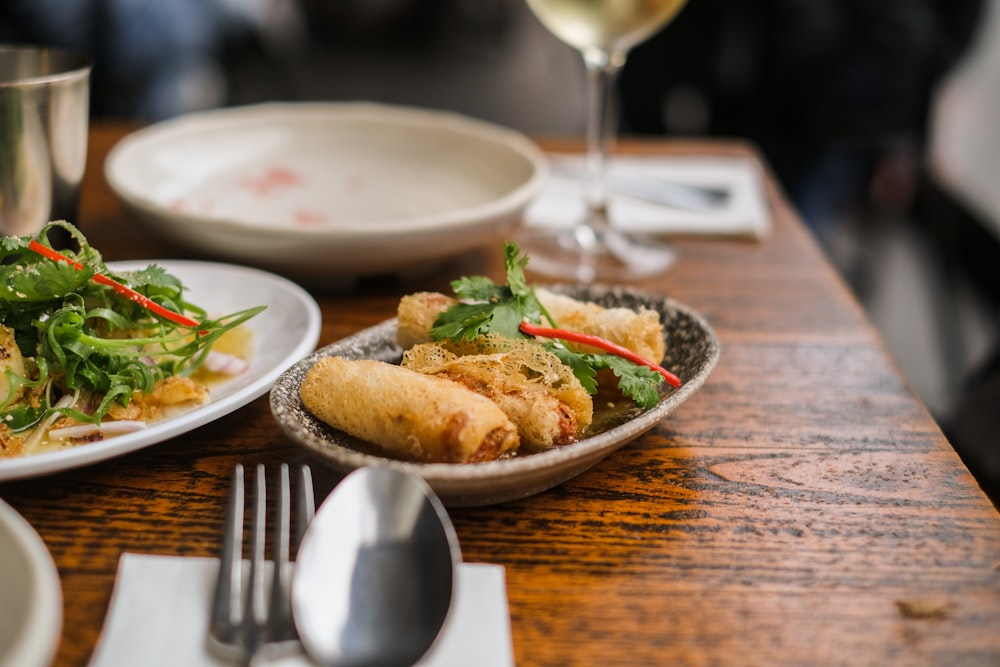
{"x": 374, "y": 576}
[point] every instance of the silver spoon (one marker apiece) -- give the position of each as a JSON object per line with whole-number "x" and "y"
{"x": 374, "y": 576}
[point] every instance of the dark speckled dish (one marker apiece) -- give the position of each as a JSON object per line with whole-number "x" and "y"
{"x": 692, "y": 352}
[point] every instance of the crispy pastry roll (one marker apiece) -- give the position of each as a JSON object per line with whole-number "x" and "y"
{"x": 639, "y": 331}
{"x": 416, "y": 314}
{"x": 539, "y": 393}
{"x": 410, "y": 415}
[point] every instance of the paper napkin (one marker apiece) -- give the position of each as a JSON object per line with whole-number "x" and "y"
{"x": 745, "y": 213}
{"x": 159, "y": 612}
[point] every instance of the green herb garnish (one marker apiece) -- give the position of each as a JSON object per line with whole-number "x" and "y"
{"x": 486, "y": 307}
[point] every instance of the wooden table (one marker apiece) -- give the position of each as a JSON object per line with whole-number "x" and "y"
{"x": 802, "y": 508}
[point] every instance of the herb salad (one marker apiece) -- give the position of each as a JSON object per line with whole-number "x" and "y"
{"x": 83, "y": 349}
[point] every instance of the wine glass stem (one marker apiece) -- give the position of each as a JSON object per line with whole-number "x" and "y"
{"x": 602, "y": 73}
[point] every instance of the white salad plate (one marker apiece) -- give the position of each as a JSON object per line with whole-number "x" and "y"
{"x": 31, "y": 611}
{"x": 692, "y": 352}
{"x": 327, "y": 189}
{"x": 282, "y": 334}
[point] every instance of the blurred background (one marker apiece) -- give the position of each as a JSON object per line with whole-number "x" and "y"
{"x": 877, "y": 116}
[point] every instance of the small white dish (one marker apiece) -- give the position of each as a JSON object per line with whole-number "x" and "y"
{"x": 31, "y": 613}
{"x": 282, "y": 334}
{"x": 692, "y": 352}
{"x": 320, "y": 190}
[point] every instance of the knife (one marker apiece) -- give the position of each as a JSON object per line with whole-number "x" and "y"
{"x": 656, "y": 190}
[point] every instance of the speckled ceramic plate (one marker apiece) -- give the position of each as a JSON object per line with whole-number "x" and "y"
{"x": 692, "y": 352}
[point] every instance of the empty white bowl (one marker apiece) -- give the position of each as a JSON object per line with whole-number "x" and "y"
{"x": 320, "y": 190}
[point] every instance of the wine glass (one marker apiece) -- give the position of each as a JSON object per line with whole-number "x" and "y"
{"x": 603, "y": 31}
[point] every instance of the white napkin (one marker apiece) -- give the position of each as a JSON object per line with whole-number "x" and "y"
{"x": 160, "y": 607}
{"x": 745, "y": 214}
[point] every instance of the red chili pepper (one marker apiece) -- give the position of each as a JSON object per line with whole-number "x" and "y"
{"x": 601, "y": 343}
{"x": 124, "y": 290}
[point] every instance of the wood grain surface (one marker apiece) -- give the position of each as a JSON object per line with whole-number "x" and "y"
{"x": 802, "y": 509}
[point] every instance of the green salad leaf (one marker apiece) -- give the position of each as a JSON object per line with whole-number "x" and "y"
{"x": 81, "y": 336}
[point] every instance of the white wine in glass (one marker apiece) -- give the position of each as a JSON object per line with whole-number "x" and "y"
{"x": 603, "y": 31}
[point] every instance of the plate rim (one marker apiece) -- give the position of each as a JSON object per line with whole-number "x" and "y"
{"x": 509, "y": 138}
{"x": 66, "y": 459}
{"x": 36, "y": 645}
{"x": 444, "y": 473}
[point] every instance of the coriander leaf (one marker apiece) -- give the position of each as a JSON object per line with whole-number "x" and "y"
{"x": 634, "y": 381}
{"x": 478, "y": 288}
{"x": 41, "y": 282}
{"x": 38, "y": 281}
{"x": 514, "y": 264}
{"x": 155, "y": 283}
{"x": 506, "y": 320}
{"x": 582, "y": 367}
{"x": 469, "y": 320}
{"x": 153, "y": 276}
{"x": 462, "y": 321}
{"x": 487, "y": 307}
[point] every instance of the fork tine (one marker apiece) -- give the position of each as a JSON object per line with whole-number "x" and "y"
{"x": 306, "y": 507}
{"x": 280, "y": 624}
{"x": 226, "y": 610}
{"x": 255, "y": 606}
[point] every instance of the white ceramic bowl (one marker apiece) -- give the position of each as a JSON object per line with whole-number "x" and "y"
{"x": 30, "y": 594}
{"x": 318, "y": 190}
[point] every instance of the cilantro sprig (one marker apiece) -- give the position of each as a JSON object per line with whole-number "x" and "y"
{"x": 486, "y": 307}
{"x": 82, "y": 335}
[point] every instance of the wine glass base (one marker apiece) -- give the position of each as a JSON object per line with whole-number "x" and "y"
{"x": 586, "y": 255}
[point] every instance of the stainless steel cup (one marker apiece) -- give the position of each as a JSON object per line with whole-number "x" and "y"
{"x": 44, "y": 114}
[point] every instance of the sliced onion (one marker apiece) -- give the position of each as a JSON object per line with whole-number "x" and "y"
{"x": 227, "y": 364}
{"x": 119, "y": 427}
{"x": 36, "y": 433}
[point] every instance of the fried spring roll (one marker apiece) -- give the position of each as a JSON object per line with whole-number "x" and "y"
{"x": 538, "y": 392}
{"x": 410, "y": 415}
{"x": 416, "y": 314}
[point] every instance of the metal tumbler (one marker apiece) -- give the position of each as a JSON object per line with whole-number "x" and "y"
{"x": 44, "y": 114}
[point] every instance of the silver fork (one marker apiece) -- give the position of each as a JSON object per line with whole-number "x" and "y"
{"x": 242, "y": 621}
